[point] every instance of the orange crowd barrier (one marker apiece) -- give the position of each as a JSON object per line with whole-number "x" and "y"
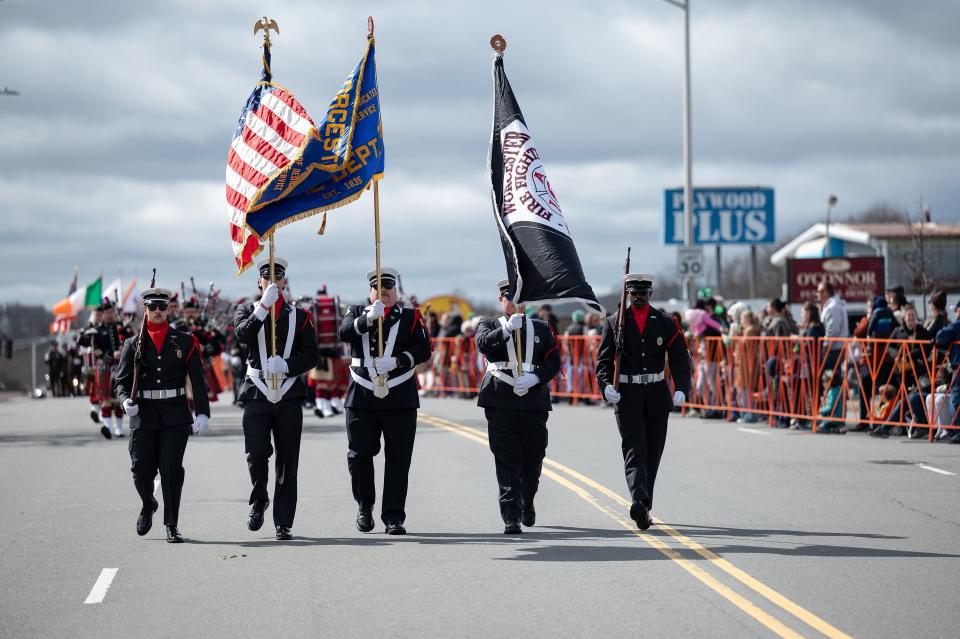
{"x": 818, "y": 382}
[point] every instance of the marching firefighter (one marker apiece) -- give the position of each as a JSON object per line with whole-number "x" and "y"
{"x": 151, "y": 383}
{"x": 272, "y": 394}
{"x": 382, "y": 398}
{"x": 642, "y": 341}
{"x": 515, "y": 397}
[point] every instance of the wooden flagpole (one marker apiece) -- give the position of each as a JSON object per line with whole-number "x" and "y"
{"x": 380, "y": 389}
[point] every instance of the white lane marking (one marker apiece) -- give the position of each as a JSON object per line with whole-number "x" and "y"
{"x": 99, "y": 590}
{"x": 156, "y": 485}
{"x": 752, "y": 431}
{"x": 935, "y": 470}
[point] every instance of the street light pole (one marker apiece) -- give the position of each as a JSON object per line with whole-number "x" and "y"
{"x": 687, "y": 143}
{"x": 831, "y": 202}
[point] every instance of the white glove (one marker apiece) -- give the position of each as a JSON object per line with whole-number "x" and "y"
{"x": 526, "y": 382}
{"x": 384, "y": 364}
{"x": 130, "y": 408}
{"x": 679, "y": 398}
{"x": 235, "y": 361}
{"x": 275, "y": 365}
{"x": 201, "y": 424}
{"x": 270, "y": 295}
{"x": 374, "y": 311}
{"x": 611, "y": 394}
{"x": 515, "y": 322}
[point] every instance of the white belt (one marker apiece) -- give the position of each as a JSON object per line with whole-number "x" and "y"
{"x": 259, "y": 374}
{"x": 507, "y": 366}
{"x": 367, "y": 362}
{"x": 366, "y": 383}
{"x": 646, "y": 378}
{"x": 166, "y": 393}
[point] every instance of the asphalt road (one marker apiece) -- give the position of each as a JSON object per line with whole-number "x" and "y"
{"x": 760, "y": 533}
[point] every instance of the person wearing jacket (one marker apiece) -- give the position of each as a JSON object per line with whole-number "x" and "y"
{"x": 515, "y": 397}
{"x": 642, "y": 403}
{"x": 272, "y": 394}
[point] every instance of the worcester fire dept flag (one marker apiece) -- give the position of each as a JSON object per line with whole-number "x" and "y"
{"x": 283, "y": 167}
{"x": 542, "y": 261}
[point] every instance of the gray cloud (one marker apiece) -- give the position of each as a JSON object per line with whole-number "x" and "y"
{"x": 113, "y": 155}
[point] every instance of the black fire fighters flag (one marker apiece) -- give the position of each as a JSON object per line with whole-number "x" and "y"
{"x": 542, "y": 262}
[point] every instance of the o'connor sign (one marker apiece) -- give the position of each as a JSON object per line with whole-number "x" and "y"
{"x": 722, "y": 215}
{"x": 855, "y": 279}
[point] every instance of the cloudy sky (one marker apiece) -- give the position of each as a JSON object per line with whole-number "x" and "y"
{"x": 112, "y": 157}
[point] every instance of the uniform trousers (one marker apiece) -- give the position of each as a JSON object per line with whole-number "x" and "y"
{"x": 518, "y": 441}
{"x": 364, "y": 428}
{"x": 153, "y": 449}
{"x": 284, "y": 420}
{"x": 642, "y": 438}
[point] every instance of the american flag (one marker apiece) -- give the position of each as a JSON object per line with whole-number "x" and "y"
{"x": 271, "y": 134}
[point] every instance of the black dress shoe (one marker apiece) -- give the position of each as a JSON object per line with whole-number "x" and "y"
{"x": 394, "y": 528}
{"x": 95, "y": 416}
{"x": 145, "y": 520}
{"x": 512, "y": 528}
{"x": 173, "y": 535}
{"x": 640, "y": 515}
{"x": 529, "y": 517}
{"x": 106, "y": 432}
{"x": 364, "y": 520}
{"x": 284, "y": 532}
{"x": 255, "y": 519}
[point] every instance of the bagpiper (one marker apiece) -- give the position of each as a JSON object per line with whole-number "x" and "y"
{"x": 273, "y": 393}
{"x": 105, "y": 340}
{"x": 151, "y": 383}
{"x": 643, "y": 402}
{"x": 382, "y": 398}
{"x": 515, "y": 397}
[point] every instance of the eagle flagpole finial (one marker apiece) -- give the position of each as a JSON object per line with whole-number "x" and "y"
{"x": 498, "y": 43}
{"x": 266, "y": 24}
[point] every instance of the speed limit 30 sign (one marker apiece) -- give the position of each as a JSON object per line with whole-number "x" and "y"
{"x": 689, "y": 261}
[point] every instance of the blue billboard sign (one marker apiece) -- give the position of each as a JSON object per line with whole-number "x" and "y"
{"x": 722, "y": 215}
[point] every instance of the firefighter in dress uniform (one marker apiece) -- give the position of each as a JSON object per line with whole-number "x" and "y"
{"x": 393, "y": 416}
{"x": 272, "y": 394}
{"x": 160, "y": 420}
{"x": 517, "y": 406}
{"x": 643, "y": 403}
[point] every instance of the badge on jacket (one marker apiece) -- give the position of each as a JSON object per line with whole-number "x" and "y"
{"x": 659, "y": 341}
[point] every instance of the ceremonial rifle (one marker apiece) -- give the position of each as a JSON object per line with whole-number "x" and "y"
{"x": 620, "y": 317}
{"x": 138, "y": 353}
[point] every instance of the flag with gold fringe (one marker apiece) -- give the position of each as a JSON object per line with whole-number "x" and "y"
{"x": 283, "y": 167}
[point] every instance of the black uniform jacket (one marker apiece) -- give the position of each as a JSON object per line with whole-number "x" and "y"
{"x": 106, "y": 339}
{"x": 492, "y": 343}
{"x": 168, "y": 369}
{"x": 412, "y": 347}
{"x": 662, "y": 339}
{"x": 303, "y": 353}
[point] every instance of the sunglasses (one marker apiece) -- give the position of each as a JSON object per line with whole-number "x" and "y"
{"x": 386, "y": 286}
{"x": 640, "y": 293}
{"x": 153, "y": 306}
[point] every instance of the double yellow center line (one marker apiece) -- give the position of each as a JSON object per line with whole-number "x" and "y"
{"x": 564, "y": 475}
